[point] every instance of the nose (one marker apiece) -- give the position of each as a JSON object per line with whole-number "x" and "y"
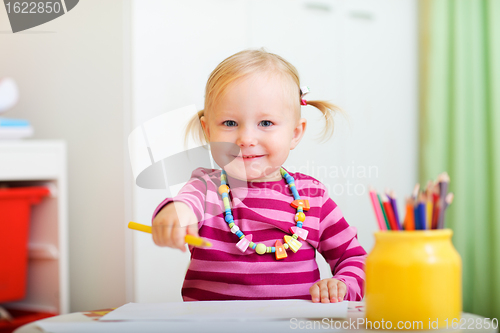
{"x": 246, "y": 137}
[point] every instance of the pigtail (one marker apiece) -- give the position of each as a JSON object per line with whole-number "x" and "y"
{"x": 195, "y": 130}
{"x": 328, "y": 110}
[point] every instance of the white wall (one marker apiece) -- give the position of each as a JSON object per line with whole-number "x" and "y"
{"x": 72, "y": 76}
{"x": 360, "y": 54}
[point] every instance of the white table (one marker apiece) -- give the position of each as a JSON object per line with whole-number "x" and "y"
{"x": 355, "y": 315}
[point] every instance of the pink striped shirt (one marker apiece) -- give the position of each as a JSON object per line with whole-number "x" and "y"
{"x": 262, "y": 209}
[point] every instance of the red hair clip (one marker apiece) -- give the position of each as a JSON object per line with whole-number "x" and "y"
{"x": 303, "y": 91}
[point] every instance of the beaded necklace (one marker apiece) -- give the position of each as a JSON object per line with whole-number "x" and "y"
{"x": 279, "y": 249}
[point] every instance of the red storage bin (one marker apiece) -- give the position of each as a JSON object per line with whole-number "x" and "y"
{"x": 15, "y": 205}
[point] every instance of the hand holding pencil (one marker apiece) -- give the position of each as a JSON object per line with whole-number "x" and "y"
{"x": 174, "y": 225}
{"x": 189, "y": 239}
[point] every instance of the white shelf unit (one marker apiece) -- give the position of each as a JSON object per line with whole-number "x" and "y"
{"x": 42, "y": 163}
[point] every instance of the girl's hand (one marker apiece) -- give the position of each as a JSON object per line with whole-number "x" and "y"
{"x": 172, "y": 223}
{"x": 328, "y": 291}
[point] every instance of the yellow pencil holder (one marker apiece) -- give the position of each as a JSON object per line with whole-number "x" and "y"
{"x": 413, "y": 278}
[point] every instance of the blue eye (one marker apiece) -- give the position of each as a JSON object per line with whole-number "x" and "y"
{"x": 229, "y": 123}
{"x": 266, "y": 123}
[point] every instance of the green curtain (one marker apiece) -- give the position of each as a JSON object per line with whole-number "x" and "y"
{"x": 460, "y": 134}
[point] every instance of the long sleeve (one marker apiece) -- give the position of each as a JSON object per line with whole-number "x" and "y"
{"x": 193, "y": 194}
{"x": 338, "y": 243}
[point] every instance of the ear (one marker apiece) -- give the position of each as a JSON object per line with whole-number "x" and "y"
{"x": 298, "y": 133}
{"x": 204, "y": 125}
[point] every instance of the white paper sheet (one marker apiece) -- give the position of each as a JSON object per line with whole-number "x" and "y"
{"x": 277, "y": 326}
{"x": 228, "y": 310}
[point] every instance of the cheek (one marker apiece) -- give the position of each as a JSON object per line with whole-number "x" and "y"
{"x": 279, "y": 150}
{"x": 215, "y": 133}
{"x": 221, "y": 136}
{"x": 281, "y": 141}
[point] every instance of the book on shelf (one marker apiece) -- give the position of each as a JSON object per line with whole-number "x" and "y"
{"x": 14, "y": 128}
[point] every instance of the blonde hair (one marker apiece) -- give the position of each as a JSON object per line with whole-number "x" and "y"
{"x": 244, "y": 63}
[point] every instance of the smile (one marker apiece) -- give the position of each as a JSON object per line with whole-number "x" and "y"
{"x": 246, "y": 157}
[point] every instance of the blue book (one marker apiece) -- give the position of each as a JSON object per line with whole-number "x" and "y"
{"x": 15, "y": 129}
{"x": 7, "y": 122}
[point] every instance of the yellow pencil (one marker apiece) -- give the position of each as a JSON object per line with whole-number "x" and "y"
{"x": 430, "y": 209}
{"x": 429, "y": 203}
{"x": 189, "y": 239}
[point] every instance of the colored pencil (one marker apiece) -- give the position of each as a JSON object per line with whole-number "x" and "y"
{"x": 392, "y": 199}
{"x": 443, "y": 180}
{"x": 428, "y": 218}
{"x": 389, "y": 212}
{"x": 383, "y": 212}
{"x": 410, "y": 215}
{"x": 422, "y": 212}
{"x": 416, "y": 213}
{"x": 425, "y": 210}
{"x": 414, "y": 194}
{"x": 377, "y": 210}
{"x": 429, "y": 204}
{"x": 435, "y": 206}
{"x": 189, "y": 239}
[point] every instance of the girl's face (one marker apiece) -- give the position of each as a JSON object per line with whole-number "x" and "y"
{"x": 256, "y": 116}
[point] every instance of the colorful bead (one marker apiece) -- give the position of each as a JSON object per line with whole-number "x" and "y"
{"x": 243, "y": 244}
{"x": 280, "y": 250}
{"x": 268, "y": 249}
{"x": 301, "y": 233}
{"x": 299, "y": 224}
{"x": 252, "y": 245}
{"x": 228, "y": 218}
{"x": 225, "y": 195}
{"x": 286, "y": 246}
{"x": 292, "y": 243}
{"x": 226, "y": 203}
{"x": 223, "y": 189}
{"x": 231, "y": 225}
{"x": 235, "y": 229}
{"x": 260, "y": 249}
{"x": 228, "y": 211}
{"x": 239, "y": 233}
{"x": 300, "y": 217}
{"x": 294, "y": 236}
{"x": 304, "y": 204}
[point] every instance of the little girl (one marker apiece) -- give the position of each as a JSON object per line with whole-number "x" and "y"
{"x": 265, "y": 223}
